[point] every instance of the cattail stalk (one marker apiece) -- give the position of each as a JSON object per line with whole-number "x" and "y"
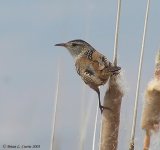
{"x": 147, "y": 137}
{"x": 132, "y": 144}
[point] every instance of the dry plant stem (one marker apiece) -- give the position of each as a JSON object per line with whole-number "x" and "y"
{"x": 139, "y": 79}
{"x": 147, "y": 140}
{"x": 95, "y": 127}
{"x": 55, "y": 112}
{"x": 85, "y": 124}
{"x": 111, "y": 119}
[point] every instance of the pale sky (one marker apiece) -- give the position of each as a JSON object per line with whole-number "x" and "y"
{"x": 29, "y": 62}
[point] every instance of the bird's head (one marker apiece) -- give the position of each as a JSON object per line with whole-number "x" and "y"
{"x": 76, "y": 47}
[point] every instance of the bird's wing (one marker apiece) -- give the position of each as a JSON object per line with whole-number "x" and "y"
{"x": 103, "y": 62}
{"x": 90, "y": 78}
{"x": 86, "y": 70}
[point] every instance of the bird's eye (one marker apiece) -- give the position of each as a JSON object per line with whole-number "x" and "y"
{"x": 74, "y": 44}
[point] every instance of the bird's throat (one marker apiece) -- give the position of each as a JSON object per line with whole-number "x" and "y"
{"x": 75, "y": 53}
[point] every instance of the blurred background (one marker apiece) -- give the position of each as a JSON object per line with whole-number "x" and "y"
{"x": 29, "y": 62}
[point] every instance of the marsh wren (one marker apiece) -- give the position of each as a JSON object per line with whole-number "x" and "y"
{"x": 93, "y": 67}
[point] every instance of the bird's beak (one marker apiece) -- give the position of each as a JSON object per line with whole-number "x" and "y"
{"x": 61, "y": 44}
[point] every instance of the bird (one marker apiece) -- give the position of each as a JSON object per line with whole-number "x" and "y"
{"x": 93, "y": 67}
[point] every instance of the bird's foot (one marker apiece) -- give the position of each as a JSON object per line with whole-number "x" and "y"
{"x": 103, "y": 107}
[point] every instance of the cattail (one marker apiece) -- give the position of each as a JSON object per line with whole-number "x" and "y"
{"x": 111, "y": 119}
{"x": 151, "y": 110}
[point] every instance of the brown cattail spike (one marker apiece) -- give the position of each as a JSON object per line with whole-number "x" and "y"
{"x": 151, "y": 110}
